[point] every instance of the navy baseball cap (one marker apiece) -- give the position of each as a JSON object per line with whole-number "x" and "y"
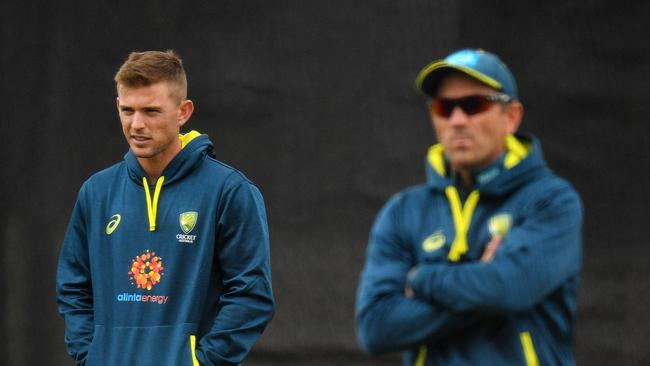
{"x": 481, "y": 65}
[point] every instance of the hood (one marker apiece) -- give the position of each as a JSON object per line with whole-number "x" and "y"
{"x": 194, "y": 147}
{"x": 522, "y": 160}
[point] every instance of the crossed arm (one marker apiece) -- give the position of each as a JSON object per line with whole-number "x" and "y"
{"x": 387, "y": 320}
{"x": 396, "y": 311}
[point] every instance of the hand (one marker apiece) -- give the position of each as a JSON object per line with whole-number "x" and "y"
{"x": 491, "y": 248}
{"x": 408, "y": 291}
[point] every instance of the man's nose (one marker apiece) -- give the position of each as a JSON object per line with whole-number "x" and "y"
{"x": 138, "y": 120}
{"x": 458, "y": 117}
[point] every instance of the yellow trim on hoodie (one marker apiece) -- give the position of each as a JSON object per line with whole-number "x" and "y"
{"x": 195, "y": 362}
{"x": 187, "y": 137}
{"x": 436, "y": 158}
{"x": 516, "y": 152}
{"x": 529, "y": 349}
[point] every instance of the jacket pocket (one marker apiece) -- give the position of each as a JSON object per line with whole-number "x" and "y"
{"x": 195, "y": 362}
{"x": 529, "y": 349}
{"x": 161, "y": 345}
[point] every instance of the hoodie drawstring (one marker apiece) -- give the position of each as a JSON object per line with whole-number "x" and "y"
{"x": 152, "y": 209}
{"x": 462, "y": 219}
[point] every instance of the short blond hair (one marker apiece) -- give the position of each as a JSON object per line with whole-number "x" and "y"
{"x": 150, "y": 67}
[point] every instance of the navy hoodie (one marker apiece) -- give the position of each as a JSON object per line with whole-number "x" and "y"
{"x": 176, "y": 273}
{"x": 518, "y": 309}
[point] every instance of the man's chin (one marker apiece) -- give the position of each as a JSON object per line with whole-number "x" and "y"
{"x": 464, "y": 159}
{"x": 460, "y": 155}
{"x": 141, "y": 153}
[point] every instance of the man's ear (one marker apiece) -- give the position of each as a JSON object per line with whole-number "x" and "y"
{"x": 515, "y": 113}
{"x": 185, "y": 111}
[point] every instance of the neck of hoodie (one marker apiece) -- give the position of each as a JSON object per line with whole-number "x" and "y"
{"x": 521, "y": 158}
{"x": 154, "y": 166}
{"x": 465, "y": 178}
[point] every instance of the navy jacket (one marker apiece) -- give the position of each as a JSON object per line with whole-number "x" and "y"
{"x": 176, "y": 273}
{"x": 518, "y": 309}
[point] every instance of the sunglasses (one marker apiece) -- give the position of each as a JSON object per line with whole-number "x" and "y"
{"x": 470, "y": 105}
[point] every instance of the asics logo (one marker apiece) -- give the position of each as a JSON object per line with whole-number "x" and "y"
{"x": 434, "y": 241}
{"x": 113, "y": 223}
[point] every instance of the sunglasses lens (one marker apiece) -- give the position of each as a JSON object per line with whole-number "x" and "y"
{"x": 443, "y": 107}
{"x": 474, "y": 104}
{"x": 470, "y": 105}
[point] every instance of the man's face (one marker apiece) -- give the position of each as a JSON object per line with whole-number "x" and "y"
{"x": 151, "y": 118}
{"x": 473, "y": 141}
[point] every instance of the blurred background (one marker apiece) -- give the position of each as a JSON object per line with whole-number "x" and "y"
{"x": 314, "y": 101}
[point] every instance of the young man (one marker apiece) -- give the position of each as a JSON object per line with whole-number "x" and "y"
{"x": 480, "y": 265}
{"x": 166, "y": 257}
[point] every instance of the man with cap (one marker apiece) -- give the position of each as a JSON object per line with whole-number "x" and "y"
{"x": 480, "y": 265}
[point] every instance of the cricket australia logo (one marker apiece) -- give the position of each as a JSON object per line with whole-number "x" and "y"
{"x": 499, "y": 225}
{"x": 187, "y": 221}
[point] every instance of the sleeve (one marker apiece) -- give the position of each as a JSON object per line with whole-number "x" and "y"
{"x": 534, "y": 259}
{"x": 246, "y": 304}
{"x": 74, "y": 286}
{"x": 387, "y": 320}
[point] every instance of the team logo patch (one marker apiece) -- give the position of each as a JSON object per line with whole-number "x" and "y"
{"x": 434, "y": 241}
{"x": 499, "y": 225}
{"x": 187, "y": 220}
{"x": 146, "y": 270}
{"x": 113, "y": 223}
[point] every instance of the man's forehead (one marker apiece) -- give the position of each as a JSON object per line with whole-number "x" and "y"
{"x": 153, "y": 93}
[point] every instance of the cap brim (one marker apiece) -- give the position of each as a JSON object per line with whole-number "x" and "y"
{"x": 428, "y": 79}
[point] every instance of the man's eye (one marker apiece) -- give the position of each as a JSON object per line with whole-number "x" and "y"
{"x": 127, "y": 111}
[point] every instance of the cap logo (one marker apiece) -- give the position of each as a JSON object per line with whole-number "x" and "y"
{"x": 463, "y": 58}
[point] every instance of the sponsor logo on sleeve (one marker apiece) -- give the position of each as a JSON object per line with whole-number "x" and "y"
{"x": 434, "y": 241}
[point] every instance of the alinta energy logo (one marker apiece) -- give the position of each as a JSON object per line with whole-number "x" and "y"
{"x": 146, "y": 272}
